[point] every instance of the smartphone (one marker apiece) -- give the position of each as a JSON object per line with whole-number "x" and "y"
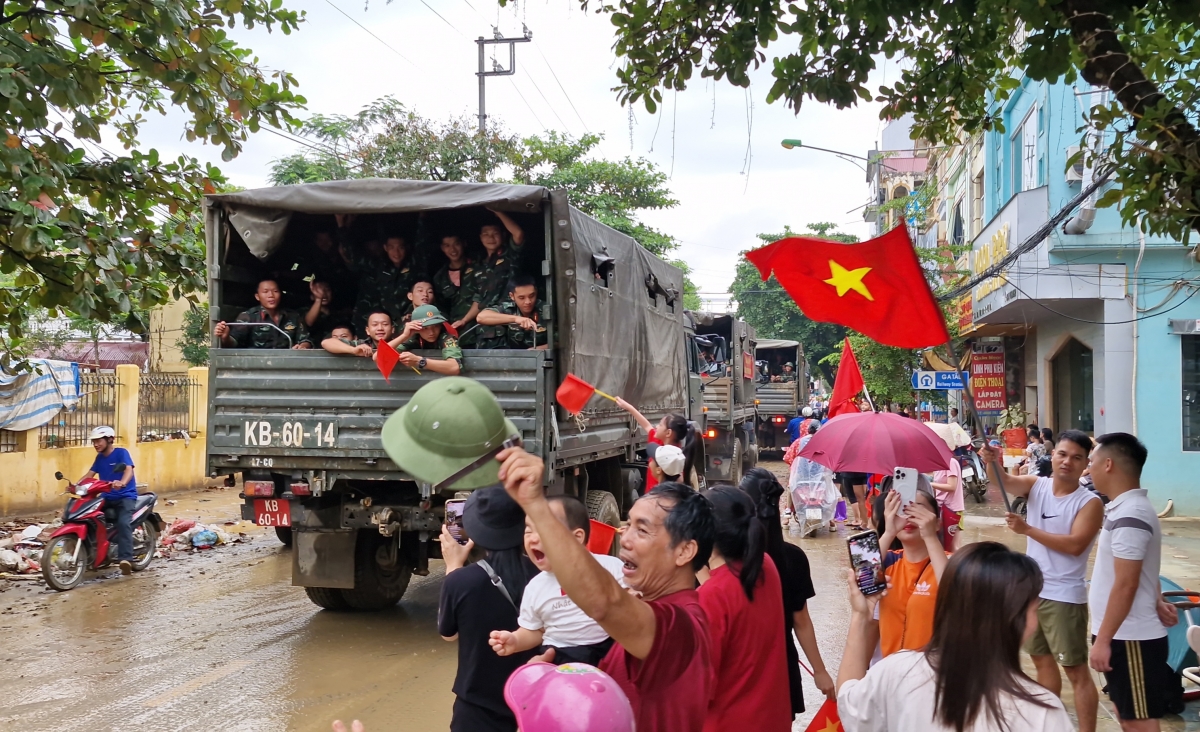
{"x": 904, "y": 482}
{"x": 867, "y": 562}
{"x": 454, "y": 519}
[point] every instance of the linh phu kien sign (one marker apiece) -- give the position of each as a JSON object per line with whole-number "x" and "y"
{"x": 987, "y": 378}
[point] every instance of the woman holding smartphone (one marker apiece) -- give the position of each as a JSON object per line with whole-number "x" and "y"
{"x": 956, "y": 682}
{"x": 913, "y": 572}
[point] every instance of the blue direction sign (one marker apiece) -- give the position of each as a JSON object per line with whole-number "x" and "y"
{"x": 938, "y": 379}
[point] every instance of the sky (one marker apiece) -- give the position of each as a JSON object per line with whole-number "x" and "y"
{"x": 719, "y": 143}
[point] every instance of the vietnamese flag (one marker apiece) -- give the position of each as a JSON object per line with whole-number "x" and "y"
{"x": 876, "y": 287}
{"x": 847, "y": 384}
{"x": 827, "y": 719}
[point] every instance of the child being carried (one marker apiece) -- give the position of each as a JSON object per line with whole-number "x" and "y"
{"x": 548, "y": 618}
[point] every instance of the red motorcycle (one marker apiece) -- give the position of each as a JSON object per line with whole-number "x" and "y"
{"x": 88, "y": 537}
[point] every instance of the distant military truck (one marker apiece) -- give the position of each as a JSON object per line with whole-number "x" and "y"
{"x": 303, "y": 427}
{"x": 779, "y": 395}
{"x": 726, "y": 347}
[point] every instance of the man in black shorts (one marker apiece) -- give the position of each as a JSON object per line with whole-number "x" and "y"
{"x": 854, "y": 489}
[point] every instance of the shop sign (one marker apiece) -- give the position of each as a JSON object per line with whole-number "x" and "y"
{"x": 987, "y": 378}
{"x": 992, "y": 251}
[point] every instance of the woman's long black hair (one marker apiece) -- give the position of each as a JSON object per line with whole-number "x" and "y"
{"x": 985, "y": 592}
{"x": 686, "y": 440}
{"x": 740, "y": 539}
{"x": 765, "y": 491}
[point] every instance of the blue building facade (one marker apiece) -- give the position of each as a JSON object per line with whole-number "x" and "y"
{"x": 1098, "y": 323}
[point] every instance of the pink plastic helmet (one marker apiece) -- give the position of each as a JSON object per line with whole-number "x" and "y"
{"x": 573, "y": 697}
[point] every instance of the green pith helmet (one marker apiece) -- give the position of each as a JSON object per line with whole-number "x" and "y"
{"x": 790, "y": 364}
{"x": 447, "y": 425}
{"x": 428, "y": 315}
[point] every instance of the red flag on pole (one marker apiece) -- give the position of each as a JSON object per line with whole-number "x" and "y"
{"x": 827, "y": 719}
{"x": 847, "y": 385}
{"x": 386, "y": 359}
{"x": 877, "y": 287}
{"x": 574, "y": 393}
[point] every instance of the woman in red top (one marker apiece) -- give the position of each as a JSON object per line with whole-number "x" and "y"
{"x": 673, "y": 429}
{"x": 743, "y": 601}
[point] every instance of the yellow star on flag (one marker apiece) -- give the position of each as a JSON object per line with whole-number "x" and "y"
{"x": 832, "y": 726}
{"x": 848, "y": 279}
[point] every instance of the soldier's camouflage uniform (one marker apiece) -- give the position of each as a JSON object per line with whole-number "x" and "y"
{"x": 289, "y": 320}
{"x": 447, "y": 343}
{"x": 491, "y": 284}
{"x": 511, "y": 335}
{"x": 382, "y": 285}
{"x": 456, "y": 300}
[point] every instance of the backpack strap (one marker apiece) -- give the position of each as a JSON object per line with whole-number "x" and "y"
{"x": 497, "y": 582}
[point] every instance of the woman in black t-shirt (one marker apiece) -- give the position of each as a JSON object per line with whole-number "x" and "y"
{"x": 764, "y": 489}
{"x": 472, "y": 607}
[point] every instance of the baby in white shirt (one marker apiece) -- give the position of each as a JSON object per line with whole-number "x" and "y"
{"x": 549, "y": 618}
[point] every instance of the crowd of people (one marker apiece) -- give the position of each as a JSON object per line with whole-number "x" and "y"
{"x": 373, "y": 287}
{"x": 700, "y": 620}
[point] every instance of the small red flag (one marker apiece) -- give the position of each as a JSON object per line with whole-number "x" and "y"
{"x": 386, "y": 359}
{"x": 827, "y": 719}
{"x": 574, "y": 393}
{"x": 877, "y": 287}
{"x": 450, "y": 329}
{"x": 847, "y": 384}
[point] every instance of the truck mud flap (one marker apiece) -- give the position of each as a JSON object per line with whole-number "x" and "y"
{"x": 323, "y": 559}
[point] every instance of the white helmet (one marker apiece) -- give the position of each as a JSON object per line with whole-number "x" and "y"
{"x": 807, "y": 411}
{"x": 104, "y": 431}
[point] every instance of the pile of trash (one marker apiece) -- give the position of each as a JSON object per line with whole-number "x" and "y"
{"x": 187, "y": 535}
{"x": 21, "y": 548}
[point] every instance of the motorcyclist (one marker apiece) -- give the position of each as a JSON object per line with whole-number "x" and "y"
{"x": 122, "y": 495}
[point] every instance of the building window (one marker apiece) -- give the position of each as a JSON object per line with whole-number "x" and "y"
{"x": 1024, "y": 155}
{"x": 957, "y": 235}
{"x": 976, "y": 206}
{"x": 1071, "y": 371}
{"x": 1190, "y": 351}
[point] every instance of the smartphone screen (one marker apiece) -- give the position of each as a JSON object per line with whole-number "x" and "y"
{"x": 454, "y": 520}
{"x": 904, "y": 482}
{"x": 867, "y": 562}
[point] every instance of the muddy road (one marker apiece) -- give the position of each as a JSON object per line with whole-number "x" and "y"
{"x": 220, "y": 640}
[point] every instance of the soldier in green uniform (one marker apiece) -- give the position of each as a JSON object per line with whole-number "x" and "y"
{"x": 379, "y": 328}
{"x": 501, "y": 262}
{"x": 384, "y": 282}
{"x": 519, "y": 322}
{"x": 454, "y": 285}
{"x": 789, "y": 372}
{"x": 267, "y": 311}
{"x": 425, "y": 331}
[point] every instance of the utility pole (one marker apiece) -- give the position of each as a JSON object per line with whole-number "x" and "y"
{"x": 497, "y": 70}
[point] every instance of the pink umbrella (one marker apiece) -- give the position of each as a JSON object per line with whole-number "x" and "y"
{"x": 877, "y": 442}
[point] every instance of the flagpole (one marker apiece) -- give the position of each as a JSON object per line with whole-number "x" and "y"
{"x": 998, "y": 463}
{"x": 867, "y": 394}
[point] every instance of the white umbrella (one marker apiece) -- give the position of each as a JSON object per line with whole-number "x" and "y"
{"x": 952, "y": 434}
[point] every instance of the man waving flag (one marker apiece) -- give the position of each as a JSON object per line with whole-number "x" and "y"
{"x": 877, "y": 287}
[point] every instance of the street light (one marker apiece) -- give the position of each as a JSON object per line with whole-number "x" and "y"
{"x": 792, "y": 143}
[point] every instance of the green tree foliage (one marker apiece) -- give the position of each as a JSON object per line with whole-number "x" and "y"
{"x": 81, "y": 227}
{"x": 194, "y": 340}
{"x": 774, "y": 314}
{"x": 387, "y": 140}
{"x": 962, "y": 58}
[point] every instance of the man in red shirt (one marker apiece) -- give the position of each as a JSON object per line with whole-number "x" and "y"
{"x": 661, "y": 654}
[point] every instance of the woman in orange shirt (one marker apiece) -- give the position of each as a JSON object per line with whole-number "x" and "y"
{"x": 913, "y": 572}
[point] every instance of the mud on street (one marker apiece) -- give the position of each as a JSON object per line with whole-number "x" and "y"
{"x": 220, "y": 639}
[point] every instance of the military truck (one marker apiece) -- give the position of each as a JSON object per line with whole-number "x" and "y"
{"x": 726, "y": 347}
{"x": 778, "y": 399}
{"x": 303, "y": 427}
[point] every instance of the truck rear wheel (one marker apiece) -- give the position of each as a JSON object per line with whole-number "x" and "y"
{"x": 602, "y": 506}
{"x": 327, "y": 598}
{"x": 735, "y": 463}
{"x": 376, "y": 586}
{"x": 284, "y": 534}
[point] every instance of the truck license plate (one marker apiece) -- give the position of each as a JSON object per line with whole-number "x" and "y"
{"x": 272, "y": 512}
{"x": 290, "y": 433}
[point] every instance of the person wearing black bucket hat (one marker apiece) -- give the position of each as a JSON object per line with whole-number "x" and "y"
{"x": 480, "y": 597}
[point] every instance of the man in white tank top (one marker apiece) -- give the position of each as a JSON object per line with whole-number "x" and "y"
{"x": 1063, "y": 521}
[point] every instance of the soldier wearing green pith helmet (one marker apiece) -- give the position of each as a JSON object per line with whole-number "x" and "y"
{"x": 427, "y": 331}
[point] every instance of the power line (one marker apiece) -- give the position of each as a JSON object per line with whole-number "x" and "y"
{"x": 1104, "y": 322}
{"x": 560, "y": 86}
{"x": 527, "y": 105}
{"x": 456, "y": 30}
{"x": 368, "y": 30}
{"x": 548, "y": 104}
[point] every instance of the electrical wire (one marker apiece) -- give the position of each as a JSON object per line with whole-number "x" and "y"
{"x": 560, "y": 86}
{"x": 1041, "y": 304}
{"x": 368, "y": 30}
{"x": 548, "y": 104}
{"x": 452, "y": 26}
{"x": 517, "y": 89}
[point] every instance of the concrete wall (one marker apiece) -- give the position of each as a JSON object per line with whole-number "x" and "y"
{"x": 28, "y": 484}
{"x": 166, "y": 327}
